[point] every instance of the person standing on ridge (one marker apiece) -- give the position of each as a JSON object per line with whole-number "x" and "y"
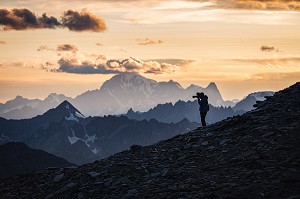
{"x": 204, "y": 107}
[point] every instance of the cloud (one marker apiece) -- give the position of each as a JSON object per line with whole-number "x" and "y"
{"x": 99, "y": 44}
{"x": 104, "y": 65}
{"x": 268, "y": 49}
{"x": 272, "y": 60}
{"x": 44, "y": 48}
{"x": 24, "y": 19}
{"x": 67, "y": 47}
{"x": 284, "y": 5}
{"x": 59, "y": 48}
{"x": 2, "y": 42}
{"x": 178, "y": 62}
{"x": 148, "y": 41}
{"x": 290, "y": 76}
{"x": 83, "y": 21}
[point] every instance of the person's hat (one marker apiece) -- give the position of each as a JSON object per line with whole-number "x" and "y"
{"x": 200, "y": 94}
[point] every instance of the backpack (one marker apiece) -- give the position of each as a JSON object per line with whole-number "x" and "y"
{"x": 206, "y": 108}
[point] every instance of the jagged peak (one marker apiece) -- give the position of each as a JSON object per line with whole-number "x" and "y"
{"x": 194, "y": 86}
{"x": 212, "y": 85}
{"x": 67, "y": 107}
{"x": 19, "y": 97}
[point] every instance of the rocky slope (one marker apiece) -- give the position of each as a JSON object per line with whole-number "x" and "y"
{"x": 255, "y": 155}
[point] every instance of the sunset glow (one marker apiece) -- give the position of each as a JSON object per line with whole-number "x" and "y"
{"x": 242, "y": 46}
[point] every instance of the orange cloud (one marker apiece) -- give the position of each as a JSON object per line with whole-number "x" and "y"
{"x": 67, "y": 47}
{"x": 288, "y": 5}
{"x": 268, "y": 48}
{"x": 83, "y": 21}
{"x": 2, "y": 42}
{"x": 148, "y": 41}
{"x": 43, "y": 48}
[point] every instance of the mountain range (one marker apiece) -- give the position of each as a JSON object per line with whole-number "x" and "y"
{"x": 65, "y": 132}
{"x": 116, "y": 96}
{"x": 254, "y": 155}
{"x": 172, "y": 113}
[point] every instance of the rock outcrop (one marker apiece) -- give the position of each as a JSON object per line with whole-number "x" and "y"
{"x": 255, "y": 155}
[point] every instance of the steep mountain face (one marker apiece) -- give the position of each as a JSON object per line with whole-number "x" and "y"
{"x": 255, "y": 155}
{"x": 115, "y": 96}
{"x": 66, "y": 133}
{"x": 190, "y": 110}
{"x": 18, "y": 158}
{"x": 247, "y": 103}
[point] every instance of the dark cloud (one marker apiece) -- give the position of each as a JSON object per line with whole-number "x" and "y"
{"x": 148, "y": 41}
{"x": 24, "y": 19}
{"x": 85, "y": 67}
{"x": 99, "y": 44}
{"x": 2, "y": 42}
{"x": 102, "y": 65}
{"x": 67, "y": 47}
{"x": 268, "y": 48}
{"x": 83, "y": 21}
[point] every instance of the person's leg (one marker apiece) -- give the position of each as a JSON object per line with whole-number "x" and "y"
{"x": 203, "y": 114}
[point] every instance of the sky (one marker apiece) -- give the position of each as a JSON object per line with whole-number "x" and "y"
{"x": 70, "y": 47}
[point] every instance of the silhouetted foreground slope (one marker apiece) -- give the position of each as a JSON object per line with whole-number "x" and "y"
{"x": 255, "y": 155}
{"x": 17, "y": 158}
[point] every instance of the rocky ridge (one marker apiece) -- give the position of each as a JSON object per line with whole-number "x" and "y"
{"x": 255, "y": 155}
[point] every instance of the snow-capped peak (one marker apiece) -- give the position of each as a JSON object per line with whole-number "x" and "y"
{"x": 65, "y": 110}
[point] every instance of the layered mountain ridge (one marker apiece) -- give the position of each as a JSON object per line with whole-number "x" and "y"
{"x": 65, "y": 132}
{"x": 114, "y": 97}
{"x": 255, "y": 155}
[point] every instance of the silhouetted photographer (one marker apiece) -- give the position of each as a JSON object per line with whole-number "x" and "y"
{"x": 204, "y": 107}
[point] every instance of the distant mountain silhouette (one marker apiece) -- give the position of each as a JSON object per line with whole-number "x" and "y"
{"x": 247, "y": 103}
{"x": 23, "y": 108}
{"x": 65, "y": 132}
{"x": 18, "y": 158}
{"x": 115, "y": 96}
{"x": 190, "y": 110}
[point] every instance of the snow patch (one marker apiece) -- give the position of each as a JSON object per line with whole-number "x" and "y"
{"x": 87, "y": 140}
{"x": 95, "y": 150}
{"x": 79, "y": 115}
{"x": 90, "y": 138}
{"x": 73, "y": 139}
{"x": 67, "y": 106}
{"x": 72, "y": 117}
